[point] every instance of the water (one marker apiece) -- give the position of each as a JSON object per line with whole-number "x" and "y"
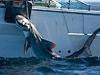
{"x": 33, "y": 66}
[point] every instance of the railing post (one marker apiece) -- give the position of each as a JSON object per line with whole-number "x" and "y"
{"x": 89, "y": 7}
{"x": 68, "y": 4}
{"x": 49, "y": 2}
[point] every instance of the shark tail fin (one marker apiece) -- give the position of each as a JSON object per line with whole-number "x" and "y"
{"x": 91, "y": 38}
{"x": 85, "y": 50}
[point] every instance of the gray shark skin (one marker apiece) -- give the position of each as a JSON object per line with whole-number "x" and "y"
{"x": 85, "y": 50}
{"x": 41, "y": 47}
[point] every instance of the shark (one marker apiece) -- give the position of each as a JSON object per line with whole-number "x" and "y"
{"x": 41, "y": 47}
{"x": 85, "y": 50}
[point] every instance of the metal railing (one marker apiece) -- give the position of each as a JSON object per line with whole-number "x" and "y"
{"x": 75, "y": 4}
{"x": 69, "y": 4}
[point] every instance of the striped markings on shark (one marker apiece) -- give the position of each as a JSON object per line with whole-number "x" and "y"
{"x": 43, "y": 48}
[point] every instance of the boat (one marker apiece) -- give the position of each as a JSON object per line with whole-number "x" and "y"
{"x": 69, "y": 28}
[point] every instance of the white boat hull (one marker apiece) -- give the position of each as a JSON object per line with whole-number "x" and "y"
{"x": 54, "y": 25}
{"x": 57, "y": 24}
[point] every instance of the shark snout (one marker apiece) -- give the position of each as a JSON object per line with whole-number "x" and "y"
{"x": 23, "y": 23}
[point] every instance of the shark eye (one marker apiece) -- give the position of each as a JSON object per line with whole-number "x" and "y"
{"x": 28, "y": 24}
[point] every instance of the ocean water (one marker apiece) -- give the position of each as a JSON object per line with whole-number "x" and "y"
{"x": 33, "y": 66}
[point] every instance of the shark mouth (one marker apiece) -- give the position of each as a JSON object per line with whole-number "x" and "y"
{"x": 41, "y": 47}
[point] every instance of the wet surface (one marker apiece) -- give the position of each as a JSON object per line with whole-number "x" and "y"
{"x": 33, "y": 66}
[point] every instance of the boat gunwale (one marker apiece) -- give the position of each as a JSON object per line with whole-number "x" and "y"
{"x": 72, "y": 11}
{"x": 63, "y": 10}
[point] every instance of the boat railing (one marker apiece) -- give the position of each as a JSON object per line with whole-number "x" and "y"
{"x": 77, "y": 4}
{"x": 74, "y": 4}
{"x": 69, "y": 4}
{"x": 82, "y": 5}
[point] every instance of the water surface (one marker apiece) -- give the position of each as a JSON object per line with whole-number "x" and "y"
{"x": 35, "y": 66}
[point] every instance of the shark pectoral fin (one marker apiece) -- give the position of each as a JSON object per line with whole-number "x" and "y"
{"x": 27, "y": 45}
{"x": 48, "y": 44}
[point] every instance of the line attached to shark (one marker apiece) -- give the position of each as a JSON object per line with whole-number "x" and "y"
{"x": 42, "y": 48}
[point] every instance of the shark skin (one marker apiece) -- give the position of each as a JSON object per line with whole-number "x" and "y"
{"x": 85, "y": 50}
{"x": 42, "y": 48}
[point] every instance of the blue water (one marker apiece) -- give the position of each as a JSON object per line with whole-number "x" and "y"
{"x": 34, "y": 66}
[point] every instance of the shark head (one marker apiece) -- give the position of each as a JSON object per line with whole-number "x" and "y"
{"x": 24, "y": 24}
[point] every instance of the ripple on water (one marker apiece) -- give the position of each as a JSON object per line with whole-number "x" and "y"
{"x": 50, "y": 67}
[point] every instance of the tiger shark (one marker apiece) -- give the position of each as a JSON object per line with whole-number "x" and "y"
{"x": 42, "y": 48}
